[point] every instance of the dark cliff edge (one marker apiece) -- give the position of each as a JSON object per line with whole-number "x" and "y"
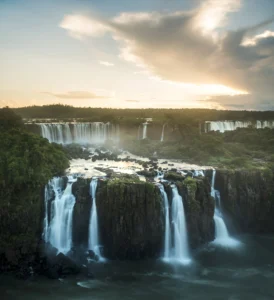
{"x": 81, "y": 212}
{"x": 130, "y": 215}
{"x": 248, "y": 199}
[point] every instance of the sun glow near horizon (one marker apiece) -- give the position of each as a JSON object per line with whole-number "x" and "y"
{"x": 134, "y": 56}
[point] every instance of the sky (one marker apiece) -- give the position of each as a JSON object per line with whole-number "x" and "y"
{"x": 138, "y": 54}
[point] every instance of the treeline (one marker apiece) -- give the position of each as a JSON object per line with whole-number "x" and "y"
{"x": 59, "y": 111}
{"x": 27, "y": 162}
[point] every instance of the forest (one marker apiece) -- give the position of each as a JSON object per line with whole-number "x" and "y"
{"x": 27, "y": 162}
{"x": 59, "y": 111}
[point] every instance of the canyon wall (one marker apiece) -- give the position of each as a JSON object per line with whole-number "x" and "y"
{"x": 248, "y": 198}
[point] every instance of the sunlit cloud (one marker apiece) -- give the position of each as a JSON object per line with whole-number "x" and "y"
{"x": 136, "y": 101}
{"x": 213, "y": 14}
{"x": 76, "y": 95}
{"x": 106, "y": 63}
{"x": 252, "y": 41}
{"x": 79, "y": 26}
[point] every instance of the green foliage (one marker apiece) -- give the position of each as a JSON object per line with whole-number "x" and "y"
{"x": 76, "y": 151}
{"x": 8, "y": 119}
{"x": 173, "y": 176}
{"x": 27, "y": 162}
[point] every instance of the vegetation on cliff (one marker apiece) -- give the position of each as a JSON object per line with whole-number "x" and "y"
{"x": 27, "y": 162}
{"x": 242, "y": 148}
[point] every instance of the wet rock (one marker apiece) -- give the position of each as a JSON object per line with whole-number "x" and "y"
{"x": 247, "y": 199}
{"x": 62, "y": 265}
{"x": 129, "y": 214}
{"x": 91, "y": 254}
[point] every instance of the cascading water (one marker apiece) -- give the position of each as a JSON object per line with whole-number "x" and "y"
{"x": 58, "y": 229}
{"x": 181, "y": 248}
{"x": 45, "y": 234}
{"x": 222, "y": 237}
{"x": 163, "y": 133}
{"x": 167, "y": 240}
{"x": 223, "y": 126}
{"x": 81, "y": 133}
{"x": 144, "y": 131}
{"x": 93, "y": 242}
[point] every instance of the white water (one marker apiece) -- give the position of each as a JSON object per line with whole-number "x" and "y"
{"x": 144, "y": 131}
{"x": 163, "y": 133}
{"x": 59, "y": 227}
{"x": 223, "y": 126}
{"x": 45, "y": 234}
{"x": 81, "y": 133}
{"x": 222, "y": 237}
{"x": 181, "y": 248}
{"x": 167, "y": 240}
{"x": 93, "y": 243}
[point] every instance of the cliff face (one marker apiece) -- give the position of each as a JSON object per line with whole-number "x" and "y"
{"x": 130, "y": 218}
{"x": 131, "y": 215}
{"x": 81, "y": 212}
{"x": 248, "y": 198}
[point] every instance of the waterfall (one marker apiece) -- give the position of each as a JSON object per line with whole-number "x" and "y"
{"x": 223, "y": 126}
{"x": 163, "y": 133}
{"x": 181, "y": 248}
{"x": 144, "y": 131}
{"x": 167, "y": 240}
{"x": 45, "y": 234}
{"x": 93, "y": 242}
{"x": 81, "y": 133}
{"x": 58, "y": 228}
{"x": 222, "y": 237}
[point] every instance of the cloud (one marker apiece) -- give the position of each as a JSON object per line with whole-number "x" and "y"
{"x": 241, "y": 102}
{"x": 253, "y": 41}
{"x": 133, "y": 101}
{"x": 77, "y": 95}
{"x": 194, "y": 47}
{"x": 106, "y": 63}
{"x": 80, "y": 26}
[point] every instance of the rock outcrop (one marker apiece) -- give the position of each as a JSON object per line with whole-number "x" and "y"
{"x": 81, "y": 212}
{"x": 130, "y": 218}
{"x": 248, "y": 198}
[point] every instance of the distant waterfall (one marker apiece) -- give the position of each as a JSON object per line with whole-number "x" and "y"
{"x": 93, "y": 242}
{"x": 222, "y": 237}
{"x": 144, "y": 131}
{"x": 223, "y": 126}
{"x": 163, "y": 133}
{"x": 58, "y": 227}
{"x": 167, "y": 240}
{"x": 81, "y": 133}
{"x": 264, "y": 124}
